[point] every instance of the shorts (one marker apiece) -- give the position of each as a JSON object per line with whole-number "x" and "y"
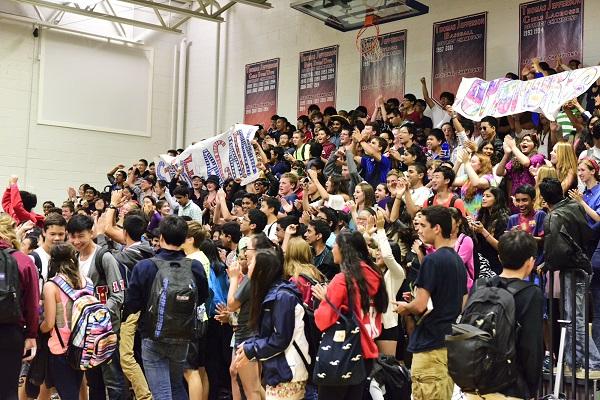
{"x": 389, "y": 334}
{"x": 196, "y": 355}
{"x": 430, "y": 378}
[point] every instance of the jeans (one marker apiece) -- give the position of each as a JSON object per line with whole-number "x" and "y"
{"x": 595, "y": 289}
{"x": 109, "y": 377}
{"x": 66, "y": 379}
{"x": 12, "y": 341}
{"x": 579, "y": 293}
{"x": 163, "y": 364}
{"x": 131, "y": 368}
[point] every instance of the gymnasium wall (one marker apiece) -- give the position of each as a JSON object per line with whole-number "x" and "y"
{"x": 252, "y": 34}
{"x": 47, "y": 158}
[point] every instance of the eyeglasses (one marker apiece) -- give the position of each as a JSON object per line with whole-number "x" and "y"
{"x": 482, "y": 128}
{"x": 249, "y": 248}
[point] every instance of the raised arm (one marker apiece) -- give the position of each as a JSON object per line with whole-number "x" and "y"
{"x": 430, "y": 102}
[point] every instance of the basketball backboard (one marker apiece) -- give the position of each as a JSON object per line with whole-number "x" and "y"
{"x": 347, "y": 15}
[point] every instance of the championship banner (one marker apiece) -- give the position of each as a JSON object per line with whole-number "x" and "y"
{"x": 550, "y": 29}
{"x": 477, "y": 98}
{"x": 387, "y": 76}
{"x": 228, "y": 155}
{"x": 260, "y": 101}
{"x": 458, "y": 51}
{"x": 317, "y": 76}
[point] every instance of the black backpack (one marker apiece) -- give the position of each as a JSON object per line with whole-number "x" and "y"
{"x": 482, "y": 347}
{"x": 102, "y": 273}
{"x": 173, "y": 302}
{"x": 10, "y": 290}
{"x": 452, "y": 200}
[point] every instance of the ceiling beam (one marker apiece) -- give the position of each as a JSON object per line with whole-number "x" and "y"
{"x": 177, "y": 10}
{"x": 94, "y": 14}
{"x": 260, "y": 4}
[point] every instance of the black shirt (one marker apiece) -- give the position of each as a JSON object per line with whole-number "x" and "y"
{"x": 529, "y": 309}
{"x": 444, "y": 276}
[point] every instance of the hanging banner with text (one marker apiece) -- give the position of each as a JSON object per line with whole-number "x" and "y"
{"x": 228, "y": 155}
{"x": 387, "y": 76}
{"x": 317, "y": 76}
{"x": 458, "y": 52}
{"x": 551, "y": 30}
{"x": 262, "y": 81}
{"x": 477, "y": 98}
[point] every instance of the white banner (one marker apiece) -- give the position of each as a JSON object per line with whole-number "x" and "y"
{"x": 477, "y": 98}
{"x": 228, "y": 155}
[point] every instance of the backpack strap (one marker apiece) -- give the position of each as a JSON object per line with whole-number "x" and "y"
{"x": 99, "y": 265}
{"x": 304, "y": 360}
{"x": 38, "y": 263}
{"x": 453, "y": 199}
{"x": 64, "y": 286}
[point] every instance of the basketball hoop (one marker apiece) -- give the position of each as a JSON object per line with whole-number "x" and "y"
{"x": 369, "y": 47}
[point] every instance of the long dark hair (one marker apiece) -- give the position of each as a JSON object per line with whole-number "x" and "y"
{"x": 489, "y": 217}
{"x": 268, "y": 269}
{"x": 212, "y": 253}
{"x": 354, "y": 250}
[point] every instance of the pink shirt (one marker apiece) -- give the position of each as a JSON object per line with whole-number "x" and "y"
{"x": 464, "y": 248}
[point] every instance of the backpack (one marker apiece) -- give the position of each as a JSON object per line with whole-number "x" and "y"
{"x": 452, "y": 200}
{"x": 10, "y": 290}
{"x": 92, "y": 341}
{"x": 173, "y": 302}
{"x": 482, "y": 347}
{"x": 102, "y": 273}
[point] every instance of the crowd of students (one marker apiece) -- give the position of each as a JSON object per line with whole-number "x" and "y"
{"x": 384, "y": 218}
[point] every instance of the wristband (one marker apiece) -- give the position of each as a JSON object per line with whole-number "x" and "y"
{"x": 112, "y": 206}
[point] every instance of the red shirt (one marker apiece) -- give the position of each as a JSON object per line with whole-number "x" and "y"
{"x": 13, "y": 206}
{"x": 370, "y": 326}
{"x": 458, "y": 204}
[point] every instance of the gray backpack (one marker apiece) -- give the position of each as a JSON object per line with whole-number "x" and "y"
{"x": 173, "y": 302}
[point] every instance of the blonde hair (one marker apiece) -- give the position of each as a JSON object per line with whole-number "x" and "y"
{"x": 7, "y": 231}
{"x": 299, "y": 260}
{"x": 544, "y": 172}
{"x": 566, "y": 161}
{"x": 485, "y": 169}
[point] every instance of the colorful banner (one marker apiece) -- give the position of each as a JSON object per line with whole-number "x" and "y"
{"x": 228, "y": 155}
{"x": 458, "y": 52}
{"x": 550, "y": 29}
{"x": 317, "y": 76}
{"x": 477, "y": 98}
{"x": 387, "y": 76}
{"x": 262, "y": 81}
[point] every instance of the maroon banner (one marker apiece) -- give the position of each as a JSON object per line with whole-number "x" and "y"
{"x": 458, "y": 51}
{"x": 549, "y": 30}
{"x": 262, "y": 80}
{"x": 387, "y": 76}
{"x": 317, "y": 76}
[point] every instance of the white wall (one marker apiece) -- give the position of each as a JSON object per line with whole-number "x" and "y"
{"x": 253, "y": 34}
{"x": 48, "y": 159}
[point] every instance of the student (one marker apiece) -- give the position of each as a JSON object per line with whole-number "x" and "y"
{"x": 518, "y": 251}
{"x": 109, "y": 287}
{"x": 527, "y": 219}
{"x": 439, "y": 149}
{"x": 187, "y": 208}
{"x": 194, "y": 368}
{"x": 19, "y": 204}
{"x": 57, "y": 319}
{"x": 374, "y": 164}
{"x": 163, "y": 362}
{"x": 443, "y": 280}
{"x": 438, "y": 113}
{"x": 54, "y": 232}
{"x": 270, "y": 207}
{"x": 18, "y": 334}
{"x": 441, "y": 183}
{"x": 370, "y": 301}
{"x": 276, "y": 314}
{"x": 316, "y": 236}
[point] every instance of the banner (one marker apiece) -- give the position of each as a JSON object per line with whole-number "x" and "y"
{"x": 260, "y": 101}
{"x": 477, "y": 98}
{"x": 228, "y": 155}
{"x": 317, "y": 76}
{"x": 550, "y": 29}
{"x": 387, "y": 76}
{"x": 458, "y": 51}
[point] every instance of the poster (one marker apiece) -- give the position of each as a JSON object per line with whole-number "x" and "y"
{"x": 477, "y": 98}
{"x": 260, "y": 101}
{"x": 387, "y": 76}
{"x": 317, "y": 76}
{"x": 228, "y": 155}
{"x": 550, "y": 29}
{"x": 458, "y": 51}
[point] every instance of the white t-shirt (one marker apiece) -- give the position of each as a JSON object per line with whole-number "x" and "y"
{"x": 336, "y": 201}
{"x": 420, "y": 195}
{"x": 84, "y": 266}
{"x": 271, "y": 232}
{"x": 44, "y": 258}
{"x": 438, "y": 116}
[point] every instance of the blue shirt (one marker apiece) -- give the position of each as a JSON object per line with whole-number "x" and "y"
{"x": 369, "y": 168}
{"x": 592, "y": 199}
